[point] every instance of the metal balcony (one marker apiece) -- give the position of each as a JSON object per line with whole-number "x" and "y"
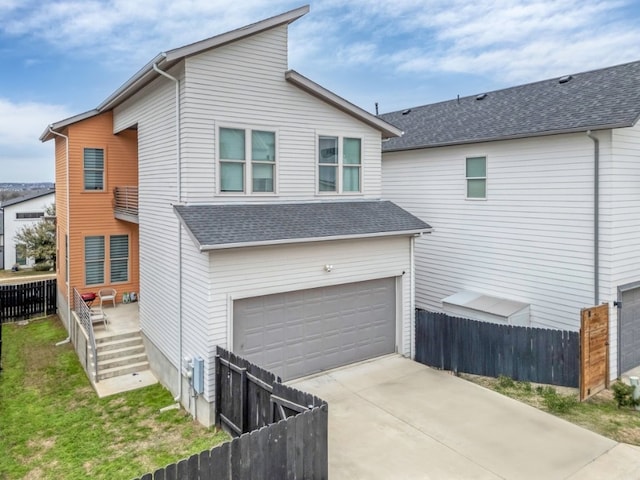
{"x": 125, "y": 204}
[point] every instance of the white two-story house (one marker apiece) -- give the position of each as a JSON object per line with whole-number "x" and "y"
{"x": 262, "y": 226}
{"x": 534, "y": 196}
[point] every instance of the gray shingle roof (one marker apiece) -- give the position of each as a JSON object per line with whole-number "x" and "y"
{"x": 595, "y": 100}
{"x": 28, "y": 196}
{"x": 232, "y": 225}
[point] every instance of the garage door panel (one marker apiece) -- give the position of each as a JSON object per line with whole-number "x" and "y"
{"x": 303, "y": 332}
{"x": 630, "y": 329}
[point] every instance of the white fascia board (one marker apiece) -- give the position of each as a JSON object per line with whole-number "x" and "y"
{"x": 287, "y": 241}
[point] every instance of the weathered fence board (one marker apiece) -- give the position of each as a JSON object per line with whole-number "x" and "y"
{"x": 522, "y": 353}
{"x": 26, "y": 300}
{"x": 594, "y": 333}
{"x": 282, "y": 432}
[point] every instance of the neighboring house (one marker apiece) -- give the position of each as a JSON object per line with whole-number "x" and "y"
{"x": 18, "y": 213}
{"x": 534, "y": 196}
{"x": 261, "y": 224}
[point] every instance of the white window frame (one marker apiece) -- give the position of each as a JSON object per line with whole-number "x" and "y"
{"x": 247, "y": 181}
{"x": 340, "y": 165}
{"x": 467, "y": 178}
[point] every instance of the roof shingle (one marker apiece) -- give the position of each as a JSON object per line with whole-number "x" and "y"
{"x": 595, "y": 100}
{"x": 233, "y": 225}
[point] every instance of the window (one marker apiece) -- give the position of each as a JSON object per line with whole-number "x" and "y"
{"x": 263, "y": 160}
{"x": 93, "y": 169}
{"x": 94, "y": 260}
{"x": 351, "y": 155}
{"x": 476, "y": 172}
{"x": 339, "y": 164}
{"x": 28, "y": 215}
{"x": 235, "y": 172}
{"x": 119, "y": 258}
{"x": 21, "y": 259}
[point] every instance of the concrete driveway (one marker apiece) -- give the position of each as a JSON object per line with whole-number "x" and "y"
{"x": 394, "y": 418}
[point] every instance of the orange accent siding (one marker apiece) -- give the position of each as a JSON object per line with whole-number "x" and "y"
{"x": 91, "y": 212}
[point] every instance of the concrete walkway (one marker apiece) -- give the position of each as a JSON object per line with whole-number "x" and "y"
{"x": 395, "y": 418}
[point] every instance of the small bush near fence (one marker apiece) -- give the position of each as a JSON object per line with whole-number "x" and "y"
{"x": 481, "y": 348}
{"x": 27, "y": 300}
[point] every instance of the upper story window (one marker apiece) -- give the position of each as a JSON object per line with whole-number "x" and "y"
{"x": 476, "y": 174}
{"x": 239, "y": 173}
{"x": 28, "y": 215}
{"x": 339, "y": 164}
{"x": 94, "y": 169}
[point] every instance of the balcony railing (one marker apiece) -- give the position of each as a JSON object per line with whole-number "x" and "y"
{"x": 125, "y": 203}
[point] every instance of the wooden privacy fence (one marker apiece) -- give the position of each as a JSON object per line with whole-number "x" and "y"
{"x": 481, "y": 348}
{"x": 281, "y": 432}
{"x": 27, "y": 299}
{"x": 594, "y": 355}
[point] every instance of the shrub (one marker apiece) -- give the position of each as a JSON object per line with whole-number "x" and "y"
{"x": 42, "y": 267}
{"x": 623, "y": 395}
{"x": 556, "y": 403}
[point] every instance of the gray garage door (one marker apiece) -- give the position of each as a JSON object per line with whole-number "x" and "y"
{"x": 630, "y": 329}
{"x": 298, "y": 333}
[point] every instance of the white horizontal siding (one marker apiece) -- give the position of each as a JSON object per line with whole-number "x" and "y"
{"x": 153, "y": 111}
{"x": 250, "y": 272}
{"x": 531, "y": 240}
{"x": 243, "y": 84}
{"x": 623, "y": 195}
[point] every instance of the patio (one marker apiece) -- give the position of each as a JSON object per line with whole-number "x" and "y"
{"x": 121, "y": 319}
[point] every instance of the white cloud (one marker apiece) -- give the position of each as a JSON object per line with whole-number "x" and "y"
{"x": 23, "y": 157}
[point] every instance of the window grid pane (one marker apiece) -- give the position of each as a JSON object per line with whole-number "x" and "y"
{"x": 328, "y": 150}
{"x": 262, "y": 177}
{"x": 476, "y": 167}
{"x": 232, "y": 177}
{"x": 263, "y": 146}
{"x": 328, "y": 178}
{"x": 94, "y": 260}
{"x": 119, "y": 257}
{"x": 232, "y": 144}
{"x": 476, "y": 188}
{"x": 351, "y": 179}
{"x": 351, "y": 151}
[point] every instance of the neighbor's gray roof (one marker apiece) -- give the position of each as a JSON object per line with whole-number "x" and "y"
{"x": 229, "y": 225}
{"x": 595, "y": 100}
{"x": 28, "y": 196}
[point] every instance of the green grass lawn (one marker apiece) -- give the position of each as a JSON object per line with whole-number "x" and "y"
{"x": 53, "y": 425}
{"x": 599, "y": 413}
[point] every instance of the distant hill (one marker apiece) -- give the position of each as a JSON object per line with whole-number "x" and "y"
{"x": 13, "y": 190}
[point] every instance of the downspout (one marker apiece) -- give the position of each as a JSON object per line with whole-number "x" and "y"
{"x": 596, "y": 217}
{"x": 66, "y": 256}
{"x": 412, "y": 303}
{"x": 178, "y": 397}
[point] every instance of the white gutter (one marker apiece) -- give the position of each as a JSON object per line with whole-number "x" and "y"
{"x": 286, "y": 241}
{"x": 179, "y": 200}
{"x": 596, "y": 217}
{"x": 66, "y": 252}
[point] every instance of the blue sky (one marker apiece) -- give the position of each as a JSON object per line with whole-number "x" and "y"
{"x": 63, "y": 57}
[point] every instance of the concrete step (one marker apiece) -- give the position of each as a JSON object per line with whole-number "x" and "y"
{"x": 120, "y": 352}
{"x": 119, "y": 344}
{"x": 104, "y": 373}
{"x": 118, "y": 336}
{"x": 122, "y": 361}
